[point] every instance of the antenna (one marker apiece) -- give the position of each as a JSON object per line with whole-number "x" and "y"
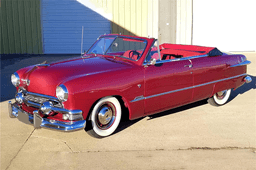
{"x": 82, "y": 40}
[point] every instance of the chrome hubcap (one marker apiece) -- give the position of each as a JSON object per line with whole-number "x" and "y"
{"x": 105, "y": 115}
{"x": 221, "y": 94}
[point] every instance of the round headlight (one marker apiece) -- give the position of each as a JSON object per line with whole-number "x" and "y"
{"x": 15, "y": 79}
{"x": 62, "y": 93}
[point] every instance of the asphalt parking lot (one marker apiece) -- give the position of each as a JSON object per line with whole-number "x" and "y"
{"x": 196, "y": 136}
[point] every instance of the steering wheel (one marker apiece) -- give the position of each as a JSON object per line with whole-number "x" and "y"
{"x": 133, "y": 52}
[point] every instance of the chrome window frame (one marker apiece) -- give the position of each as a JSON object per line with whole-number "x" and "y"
{"x": 145, "y": 60}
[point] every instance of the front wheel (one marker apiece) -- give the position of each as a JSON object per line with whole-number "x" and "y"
{"x": 105, "y": 117}
{"x": 220, "y": 98}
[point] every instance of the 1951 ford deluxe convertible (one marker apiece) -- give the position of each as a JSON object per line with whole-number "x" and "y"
{"x": 123, "y": 73}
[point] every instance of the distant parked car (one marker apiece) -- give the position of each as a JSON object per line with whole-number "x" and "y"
{"x": 123, "y": 73}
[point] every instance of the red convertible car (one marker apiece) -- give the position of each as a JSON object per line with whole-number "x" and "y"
{"x": 123, "y": 74}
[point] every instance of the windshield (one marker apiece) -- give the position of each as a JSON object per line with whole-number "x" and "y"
{"x": 101, "y": 45}
{"x": 130, "y": 48}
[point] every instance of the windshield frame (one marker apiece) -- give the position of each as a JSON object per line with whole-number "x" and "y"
{"x": 149, "y": 51}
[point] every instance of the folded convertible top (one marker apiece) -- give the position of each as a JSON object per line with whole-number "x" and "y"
{"x": 210, "y": 51}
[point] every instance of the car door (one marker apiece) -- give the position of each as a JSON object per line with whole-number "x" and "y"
{"x": 206, "y": 71}
{"x": 168, "y": 84}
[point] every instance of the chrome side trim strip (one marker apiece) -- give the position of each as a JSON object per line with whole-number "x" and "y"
{"x": 160, "y": 94}
{"x": 216, "y": 81}
{"x": 138, "y": 98}
{"x": 191, "y": 87}
{"x": 241, "y": 64}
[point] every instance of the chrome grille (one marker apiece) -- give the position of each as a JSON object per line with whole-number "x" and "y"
{"x": 35, "y": 99}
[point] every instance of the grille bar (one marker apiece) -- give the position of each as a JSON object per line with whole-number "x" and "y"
{"x": 35, "y": 99}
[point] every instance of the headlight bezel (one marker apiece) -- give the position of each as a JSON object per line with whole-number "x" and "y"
{"x": 15, "y": 79}
{"x": 62, "y": 93}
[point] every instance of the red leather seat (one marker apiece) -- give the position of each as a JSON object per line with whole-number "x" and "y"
{"x": 169, "y": 57}
{"x": 126, "y": 53}
{"x": 155, "y": 56}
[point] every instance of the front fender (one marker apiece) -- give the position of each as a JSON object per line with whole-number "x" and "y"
{"x": 84, "y": 91}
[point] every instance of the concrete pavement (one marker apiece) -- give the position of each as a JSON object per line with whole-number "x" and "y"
{"x": 196, "y": 136}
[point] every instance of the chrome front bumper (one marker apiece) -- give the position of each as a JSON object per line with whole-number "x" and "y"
{"x": 38, "y": 121}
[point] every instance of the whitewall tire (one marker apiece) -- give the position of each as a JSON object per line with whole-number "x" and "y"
{"x": 220, "y": 98}
{"x": 105, "y": 117}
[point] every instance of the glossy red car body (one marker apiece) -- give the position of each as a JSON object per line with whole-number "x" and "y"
{"x": 144, "y": 89}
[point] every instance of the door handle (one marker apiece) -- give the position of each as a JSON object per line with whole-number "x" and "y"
{"x": 189, "y": 66}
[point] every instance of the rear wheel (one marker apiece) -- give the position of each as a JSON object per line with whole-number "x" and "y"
{"x": 105, "y": 117}
{"x": 220, "y": 98}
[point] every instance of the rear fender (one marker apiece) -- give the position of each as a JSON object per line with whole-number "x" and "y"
{"x": 228, "y": 84}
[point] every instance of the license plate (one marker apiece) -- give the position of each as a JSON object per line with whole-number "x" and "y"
{"x": 23, "y": 117}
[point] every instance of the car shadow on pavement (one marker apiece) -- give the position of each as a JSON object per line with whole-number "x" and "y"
{"x": 178, "y": 109}
{"x": 244, "y": 88}
{"x": 127, "y": 123}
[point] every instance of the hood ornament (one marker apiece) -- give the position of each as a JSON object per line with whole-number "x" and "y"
{"x": 26, "y": 81}
{"x": 43, "y": 64}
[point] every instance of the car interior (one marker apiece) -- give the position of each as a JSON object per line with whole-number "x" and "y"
{"x": 173, "y": 51}
{"x": 176, "y": 51}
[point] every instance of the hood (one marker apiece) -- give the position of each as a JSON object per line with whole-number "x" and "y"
{"x": 45, "y": 78}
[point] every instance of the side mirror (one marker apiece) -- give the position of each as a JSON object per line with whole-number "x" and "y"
{"x": 152, "y": 61}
